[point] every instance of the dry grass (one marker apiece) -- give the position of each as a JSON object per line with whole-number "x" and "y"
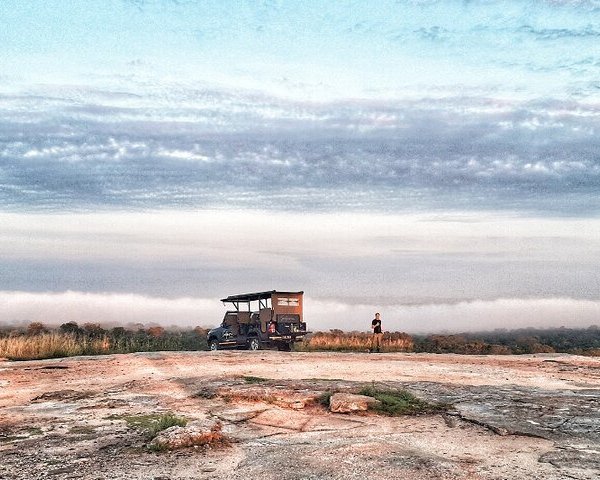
{"x": 51, "y": 345}
{"x": 357, "y": 341}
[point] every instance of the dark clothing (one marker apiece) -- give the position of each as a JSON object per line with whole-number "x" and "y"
{"x": 377, "y": 324}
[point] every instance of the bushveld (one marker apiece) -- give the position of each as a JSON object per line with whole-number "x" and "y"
{"x": 37, "y": 341}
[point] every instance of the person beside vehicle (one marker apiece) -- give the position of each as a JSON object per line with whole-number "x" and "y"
{"x": 377, "y": 333}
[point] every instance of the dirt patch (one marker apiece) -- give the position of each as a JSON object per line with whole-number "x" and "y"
{"x": 63, "y": 395}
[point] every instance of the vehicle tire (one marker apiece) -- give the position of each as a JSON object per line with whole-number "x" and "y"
{"x": 284, "y": 347}
{"x": 213, "y": 345}
{"x": 254, "y": 344}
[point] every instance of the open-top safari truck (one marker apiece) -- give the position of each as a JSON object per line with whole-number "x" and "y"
{"x": 260, "y": 320}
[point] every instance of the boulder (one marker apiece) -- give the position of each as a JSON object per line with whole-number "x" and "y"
{"x": 193, "y": 434}
{"x": 348, "y": 402}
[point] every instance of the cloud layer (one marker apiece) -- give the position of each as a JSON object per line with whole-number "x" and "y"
{"x": 209, "y": 148}
{"x": 351, "y": 258}
{"x": 120, "y": 309}
{"x": 413, "y": 105}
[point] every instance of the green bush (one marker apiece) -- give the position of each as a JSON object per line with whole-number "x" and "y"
{"x": 400, "y": 402}
{"x": 153, "y": 423}
{"x": 251, "y": 379}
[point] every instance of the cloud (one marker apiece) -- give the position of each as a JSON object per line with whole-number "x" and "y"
{"x": 351, "y": 258}
{"x": 478, "y": 315}
{"x": 212, "y": 148}
{"x": 121, "y": 309}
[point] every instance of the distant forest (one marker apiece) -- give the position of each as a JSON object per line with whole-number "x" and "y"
{"x": 578, "y": 341}
{"x": 36, "y": 341}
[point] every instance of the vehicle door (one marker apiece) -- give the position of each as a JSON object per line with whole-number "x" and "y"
{"x": 230, "y": 330}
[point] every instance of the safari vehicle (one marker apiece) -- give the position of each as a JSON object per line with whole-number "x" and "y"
{"x": 276, "y": 321}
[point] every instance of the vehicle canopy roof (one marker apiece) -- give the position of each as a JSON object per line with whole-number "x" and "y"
{"x": 251, "y": 297}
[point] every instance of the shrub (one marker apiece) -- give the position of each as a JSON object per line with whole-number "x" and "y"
{"x": 400, "y": 402}
{"x": 166, "y": 421}
{"x": 324, "y": 398}
{"x": 152, "y": 424}
{"x": 251, "y": 379}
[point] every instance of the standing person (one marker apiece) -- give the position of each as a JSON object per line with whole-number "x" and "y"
{"x": 377, "y": 335}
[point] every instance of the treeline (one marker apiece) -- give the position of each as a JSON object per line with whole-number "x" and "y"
{"x": 37, "y": 341}
{"x": 577, "y": 341}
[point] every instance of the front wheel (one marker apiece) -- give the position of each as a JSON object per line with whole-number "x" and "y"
{"x": 254, "y": 344}
{"x": 214, "y": 345}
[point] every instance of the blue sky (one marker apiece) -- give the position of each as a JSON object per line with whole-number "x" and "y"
{"x": 521, "y": 48}
{"x": 467, "y": 117}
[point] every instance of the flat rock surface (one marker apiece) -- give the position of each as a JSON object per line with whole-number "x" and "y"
{"x": 509, "y": 417}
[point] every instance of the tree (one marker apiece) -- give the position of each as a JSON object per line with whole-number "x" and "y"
{"x": 200, "y": 331}
{"x": 156, "y": 332}
{"x": 93, "y": 330}
{"x": 71, "y": 328}
{"x": 118, "y": 332}
{"x": 36, "y": 328}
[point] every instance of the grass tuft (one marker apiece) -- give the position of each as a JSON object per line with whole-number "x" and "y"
{"x": 151, "y": 424}
{"x": 166, "y": 421}
{"x": 324, "y": 398}
{"x": 34, "y": 431}
{"x": 251, "y": 379}
{"x": 206, "y": 393}
{"x": 400, "y": 402}
{"x": 82, "y": 430}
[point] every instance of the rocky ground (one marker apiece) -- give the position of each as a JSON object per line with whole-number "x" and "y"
{"x": 513, "y": 417}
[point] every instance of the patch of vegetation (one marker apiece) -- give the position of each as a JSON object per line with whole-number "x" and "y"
{"x": 400, "y": 402}
{"x": 157, "y": 447}
{"x": 38, "y": 341}
{"x": 207, "y": 393}
{"x": 316, "y": 379}
{"x": 82, "y": 430}
{"x": 251, "y": 379}
{"x": 12, "y": 438}
{"x": 151, "y": 424}
{"x": 10, "y": 434}
{"x": 339, "y": 341}
{"x": 324, "y": 398}
{"x": 63, "y": 395}
{"x": 166, "y": 421}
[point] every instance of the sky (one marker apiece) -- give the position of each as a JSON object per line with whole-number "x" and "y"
{"x": 436, "y": 161}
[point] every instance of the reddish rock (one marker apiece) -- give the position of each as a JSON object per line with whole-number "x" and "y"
{"x": 194, "y": 434}
{"x": 348, "y": 402}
